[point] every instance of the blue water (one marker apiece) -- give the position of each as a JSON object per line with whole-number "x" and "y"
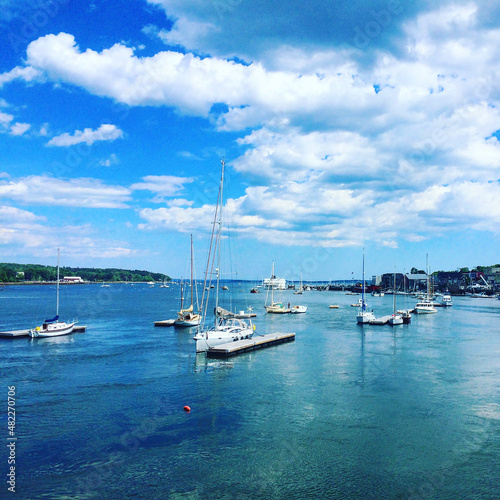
{"x": 345, "y": 411}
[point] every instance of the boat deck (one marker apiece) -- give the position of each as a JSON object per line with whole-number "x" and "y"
{"x": 246, "y": 345}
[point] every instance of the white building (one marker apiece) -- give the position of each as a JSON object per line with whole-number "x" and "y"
{"x": 72, "y": 279}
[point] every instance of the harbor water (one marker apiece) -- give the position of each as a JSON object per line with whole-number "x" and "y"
{"x": 345, "y": 411}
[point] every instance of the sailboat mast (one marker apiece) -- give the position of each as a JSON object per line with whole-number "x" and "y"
{"x": 394, "y": 301}
{"x": 57, "y": 293}
{"x": 191, "y": 271}
{"x": 363, "y": 286}
{"x": 218, "y": 236}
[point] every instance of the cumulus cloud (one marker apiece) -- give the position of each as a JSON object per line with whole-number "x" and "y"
{"x": 82, "y": 192}
{"x": 105, "y": 132}
{"x": 162, "y": 185}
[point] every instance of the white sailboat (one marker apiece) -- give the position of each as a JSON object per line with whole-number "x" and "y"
{"x": 396, "y": 318}
{"x": 275, "y": 307}
{"x": 53, "y": 327}
{"x": 426, "y": 306}
{"x": 364, "y": 316}
{"x": 187, "y": 317}
{"x": 300, "y": 291}
{"x": 226, "y": 329}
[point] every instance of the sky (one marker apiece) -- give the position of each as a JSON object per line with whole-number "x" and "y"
{"x": 344, "y": 126}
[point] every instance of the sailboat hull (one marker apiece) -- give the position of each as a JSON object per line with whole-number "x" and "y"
{"x": 217, "y": 336}
{"x": 52, "y": 330}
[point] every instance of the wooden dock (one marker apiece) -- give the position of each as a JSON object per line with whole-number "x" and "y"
{"x": 380, "y": 321}
{"x": 252, "y": 344}
{"x": 15, "y": 334}
{"x": 165, "y": 322}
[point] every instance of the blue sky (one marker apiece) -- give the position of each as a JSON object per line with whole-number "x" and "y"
{"x": 344, "y": 125}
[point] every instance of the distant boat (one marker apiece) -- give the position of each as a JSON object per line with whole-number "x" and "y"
{"x": 334, "y": 306}
{"x": 225, "y": 287}
{"x": 446, "y": 300}
{"x": 254, "y": 290}
{"x": 396, "y": 318}
{"x": 300, "y": 290}
{"x": 274, "y": 307}
{"x": 426, "y": 306}
{"x": 53, "y": 327}
{"x": 187, "y": 317}
{"x": 364, "y": 316}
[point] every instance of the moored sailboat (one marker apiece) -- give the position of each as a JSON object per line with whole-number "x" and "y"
{"x": 53, "y": 327}
{"x": 274, "y": 307}
{"x": 187, "y": 317}
{"x": 364, "y": 316}
{"x": 226, "y": 328}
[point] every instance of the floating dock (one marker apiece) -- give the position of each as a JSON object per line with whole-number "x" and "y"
{"x": 14, "y": 334}
{"x": 380, "y": 321}
{"x": 246, "y": 345}
{"x": 165, "y": 322}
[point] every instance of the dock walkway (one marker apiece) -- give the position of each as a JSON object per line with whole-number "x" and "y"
{"x": 252, "y": 344}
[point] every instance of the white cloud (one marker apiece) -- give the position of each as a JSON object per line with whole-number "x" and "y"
{"x": 105, "y": 132}
{"x": 19, "y": 128}
{"x": 27, "y": 74}
{"x": 111, "y": 160}
{"x": 19, "y": 227}
{"x": 85, "y": 193}
{"x": 162, "y": 185}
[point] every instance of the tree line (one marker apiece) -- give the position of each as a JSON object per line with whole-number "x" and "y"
{"x": 18, "y": 273}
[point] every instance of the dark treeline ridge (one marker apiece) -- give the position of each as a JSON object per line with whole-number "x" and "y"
{"x": 17, "y": 273}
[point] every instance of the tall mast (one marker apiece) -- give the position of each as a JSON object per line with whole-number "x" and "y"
{"x": 218, "y": 236}
{"x": 57, "y": 293}
{"x": 363, "y": 287}
{"x": 191, "y": 271}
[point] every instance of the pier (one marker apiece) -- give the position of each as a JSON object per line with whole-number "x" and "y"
{"x": 165, "y": 322}
{"x": 252, "y": 344}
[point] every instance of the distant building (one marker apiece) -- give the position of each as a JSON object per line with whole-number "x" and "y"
{"x": 72, "y": 279}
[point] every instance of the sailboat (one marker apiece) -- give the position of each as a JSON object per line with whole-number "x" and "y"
{"x": 364, "y": 316}
{"x": 226, "y": 328}
{"x": 396, "y": 318}
{"x": 426, "y": 306}
{"x": 274, "y": 307}
{"x": 187, "y": 317}
{"x": 53, "y": 327}
{"x": 300, "y": 290}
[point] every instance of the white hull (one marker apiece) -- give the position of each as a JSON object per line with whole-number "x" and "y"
{"x": 396, "y": 319}
{"x": 365, "y": 317}
{"x": 227, "y": 331}
{"x": 277, "y": 308}
{"x": 298, "y": 309}
{"x": 52, "y": 330}
{"x": 424, "y": 308}
{"x": 195, "y": 321}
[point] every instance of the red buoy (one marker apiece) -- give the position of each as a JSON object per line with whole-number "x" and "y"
{"x": 186, "y": 408}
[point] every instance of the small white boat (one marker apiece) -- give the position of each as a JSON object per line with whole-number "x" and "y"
{"x": 275, "y": 307}
{"x": 298, "y": 309}
{"x": 396, "y": 318}
{"x": 446, "y": 300}
{"x": 53, "y": 327}
{"x": 334, "y": 306}
{"x": 187, "y": 317}
{"x": 363, "y": 316}
{"x": 425, "y": 307}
